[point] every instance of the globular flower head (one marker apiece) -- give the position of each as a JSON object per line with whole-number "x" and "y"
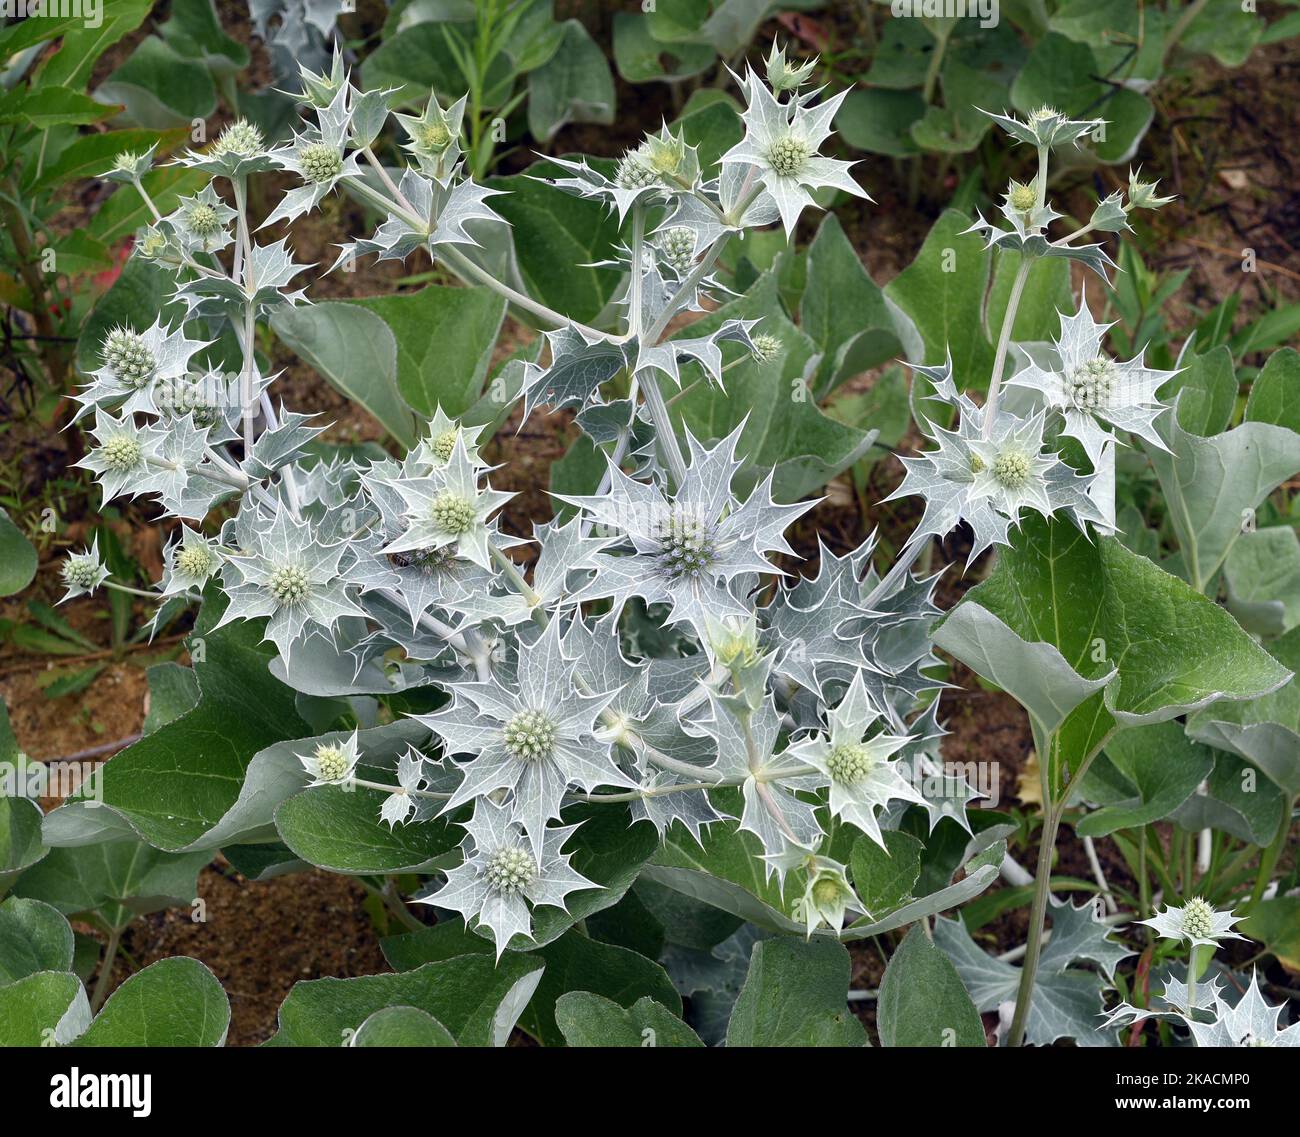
{"x": 677, "y": 245}
{"x": 241, "y": 139}
{"x": 128, "y": 356}
{"x": 1196, "y": 922}
{"x": 503, "y": 874}
{"x": 189, "y": 563}
{"x": 1022, "y": 198}
{"x": 320, "y": 162}
{"x": 331, "y": 763}
{"x": 1142, "y": 194}
{"x": 201, "y": 221}
{"x": 781, "y": 141}
{"x": 854, "y": 758}
{"x": 83, "y": 572}
{"x": 131, "y": 165}
{"x": 765, "y": 347}
{"x": 126, "y": 458}
{"x": 1045, "y": 127}
{"x": 828, "y": 896}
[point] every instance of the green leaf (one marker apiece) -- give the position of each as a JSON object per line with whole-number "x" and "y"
{"x": 880, "y": 121}
{"x": 885, "y": 878}
{"x": 48, "y": 1007}
{"x": 1047, "y": 294}
{"x": 576, "y": 963}
{"x": 17, "y": 557}
{"x": 50, "y": 107}
{"x": 1104, "y": 609}
{"x": 477, "y": 1000}
{"x": 1205, "y": 392}
{"x": 942, "y": 290}
{"x": 796, "y": 994}
{"x": 174, "y": 1002}
{"x": 922, "y": 999}
{"x": 1144, "y": 775}
{"x": 1236, "y": 800}
{"x": 356, "y": 352}
{"x": 1275, "y": 393}
{"x": 444, "y": 339}
{"x": 159, "y": 88}
{"x": 174, "y": 785}
{"x": 1262, "y": 573}
{"x": 592, "y": 1020}
{"x": 1266, "y": 730}
{"x": 711, "y": 123}
{"x": 194, "y": 31}
{"x": 843, "y": 310}
{"x": 1276, "y": 924}
{"x": 640, "y": 58}
{"x": 558, "y": 239}
{"x": 33, "y": 937}
{"x": 81, "y": 47}
{"x": 402, "y": 1026}
{"x": 173, "y": 690}
{"x": 91, "y": 154}
{"x": 1213, "y": 485}
{"x": 20, "y": 829}
{"x": 339, "y": 830}
{"x": 573, "y": 86}
{"x": 113, "y": 882}
{"x": 418, "y": 60}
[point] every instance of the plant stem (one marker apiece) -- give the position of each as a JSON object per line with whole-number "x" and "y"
{"x": 106, "y": 970}
{"x": 1270, "y": 858}
{"x": 1004, "y": 341}
{"x": 663, "y": 423}
{"x": 1037, "y": 916}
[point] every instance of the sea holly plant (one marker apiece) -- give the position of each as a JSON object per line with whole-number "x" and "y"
{"x": 539, "y": 719}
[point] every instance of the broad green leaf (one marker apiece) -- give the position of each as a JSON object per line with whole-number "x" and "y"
{"x": 418, "y": 60}
{"x": 942, "y": 291}
{"x": 17, "y": 557}
{"x": 174, "y": 1002}
{"x": 1275, "y": 393}
{"x": 402, "y": 1026}
{"x": 113, "y": 882}
{"x": 33, "y": 937}
{"x": 1035, "y": 673}
{"x": 1262, "y": 573}
{"x": 1237, "y": 799}
{"x": 711, "y": 123}
{"x": 1047, "y": 294}
{"x": 1106, "y": 609}
{"x": 50, "y": 107}
{"x": 1276, "y": 924}
{"x": 173, "y": 690}
{"x": 592, "y": 1020}
{"x": 884, "y": 879}
{"x": 1205, "y": 392}
{"x": 41, "y": 1009}
{"x": 573, "y": 86}
{"x": 477, "y": 1000}
{"x": 843, "y": 310}
{"x": 880, "y": 121}
{"x": 20, "y": 830}
{"x": 1224, "y": 29}
{"x": 557, "y": 239}
{"x": 641, "y": 58}
{"x": 159, "y": 88}
{"x": 796, "y": 994}
{"x": 1144, "y": 775}
{"x": 1266, "y": 730}
{"x": 574, "y": 962}
{"x": 174, "y": 785}
{"x": 444, "y": 339}
{"x": 922, "y": 999}
{"x": 194, "y": 30}
{"x": 356, "y": 351}
{"x": 1212, "y": 486}
{"x": 339, "y": 830}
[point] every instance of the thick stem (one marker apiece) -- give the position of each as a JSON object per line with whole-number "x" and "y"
{"x": 105, "y": 970}
{"x": 670, "y": 447}
{"x": 1004, "y": 342}
{"x": 1037, "y": 918}
{"x": 1270, "y": 858}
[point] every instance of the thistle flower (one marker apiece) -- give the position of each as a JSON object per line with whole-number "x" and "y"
{"x": 434, "y": 135}
{"x": 1197, "y": 922}
{"x": 435, "y": 448}
{"x": 1251, "y": 1023}
{"x": 1142, "y": 195}
{"x": 686, "y": 547}
{"x": 781, "y": 141}
{"x": 781, "y": 75}
{"x": 130, "y": 165}
{"x": 856, "y": 763}
{"x": 399, "y": 805}
{"x": 189, "y": 563}
{"x": 286, "y": 573}
{"x": 331, "y": 763}
{"x": 136, "y": 365}
{"x": 83, "y": 572}
{"x": 317, "y": 157}
{"x": 449, "y": 510}
{"x": 200, "y": 222}
{"x": 239, "y": 150}
{"x": 1045, "y": 127}
{"x": 1089, "y": 389}
{"x": 677, "y": 246}
{"x": 828, "y": 896}
{"x": 504, "y": 874}
{"x": 534, "y": 738}
{"x": 127, "y": 458}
